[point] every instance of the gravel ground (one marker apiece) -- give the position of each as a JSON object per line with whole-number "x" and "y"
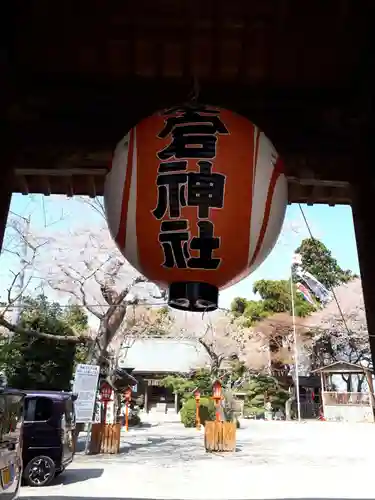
{"x": 272, "y": 460}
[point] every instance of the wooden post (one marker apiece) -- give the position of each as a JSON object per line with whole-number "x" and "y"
{"x": 128, "y": 398}
{"x": 362, "y": 205}
{"x": 105, "y": 406}
{"x": 220, "y": 436}
{"x": 197, "y": 396}
{"x": 217, "y": 402}
{"x": 217, "y": 408}
{"x": 322, "y": 391}
{"x": 105, "y": 438}
{"x": 126, "y": 416}
{"x": 371, "y": 389}
{"x": 217, "y": 397}
{"x": 146, "y": 397}
{"x": 322, "y": 382}
{"x": 197, "y": 417}
{"x": 5, "y": 198}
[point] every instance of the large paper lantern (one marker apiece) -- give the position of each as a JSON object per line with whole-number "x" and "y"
{"x": 195, "y": 199}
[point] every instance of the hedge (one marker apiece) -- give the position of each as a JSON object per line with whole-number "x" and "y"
{"x": 188, "y": 411}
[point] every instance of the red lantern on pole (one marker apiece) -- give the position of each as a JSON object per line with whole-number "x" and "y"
{"x": 217, "y": 387}
{"x": 105, "y": 397}
{"x": 178, "y": 182}
{"x": 128, "y": 397}
{"x": 217, "y": 397}
{"x": 197, "y": 395}
{"x": 128, "y": 394}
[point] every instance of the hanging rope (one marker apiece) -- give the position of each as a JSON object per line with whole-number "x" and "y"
{"x": 194, "y": 94}
{"x": 330, "y": 287}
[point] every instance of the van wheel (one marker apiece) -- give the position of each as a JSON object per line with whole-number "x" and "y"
{"x": 39, "y": 471}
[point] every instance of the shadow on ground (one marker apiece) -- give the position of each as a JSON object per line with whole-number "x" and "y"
{"x": 156, "y": 448}
{"x": 81, "y": 443}
{"x": 168, "y": 444}
{"x": 71, "y": 476}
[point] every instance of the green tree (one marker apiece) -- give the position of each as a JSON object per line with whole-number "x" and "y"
{"x": 178, "y": 384}
{"x": 184, "y": 386}
{"x": 275, "y": 298}
{"x": 318, "y": 260}
{"x": 236, "y": 374}
{"x": 263, "y": 388}
{"x": 188, "y": 411}
{"x": 252, "y": 310}
{"x": 275, "y": 294}
{"x": 38, "y": 363}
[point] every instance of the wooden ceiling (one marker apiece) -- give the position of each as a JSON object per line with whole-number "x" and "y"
{"x": 78, "y": 75}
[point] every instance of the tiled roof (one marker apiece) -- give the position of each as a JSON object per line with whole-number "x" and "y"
{"x": 163, "y": 355}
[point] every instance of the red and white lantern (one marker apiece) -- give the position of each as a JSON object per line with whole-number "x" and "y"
{"x": 195, "y": 199}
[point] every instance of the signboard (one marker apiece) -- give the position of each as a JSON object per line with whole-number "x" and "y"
{"x": 85, "y": 385}
{"x": 154, "y": 382}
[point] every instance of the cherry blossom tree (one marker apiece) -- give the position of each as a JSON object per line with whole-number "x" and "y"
{"x": 80, "y": 266}
{"x": 25, "y": 248}
{"x": 214, "y": 331}
{"x": 340, "y": 333}
{"x": 87, "y": 267}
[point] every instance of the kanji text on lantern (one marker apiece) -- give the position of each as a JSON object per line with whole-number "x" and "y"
{"x": 194, "y": 135}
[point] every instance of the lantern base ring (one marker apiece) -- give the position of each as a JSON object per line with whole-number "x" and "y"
{"x": 193, "y": 296}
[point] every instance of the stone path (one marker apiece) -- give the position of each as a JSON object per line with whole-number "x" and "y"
{"x": 273, "y": 460}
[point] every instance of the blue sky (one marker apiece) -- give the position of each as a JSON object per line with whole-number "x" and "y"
{"x": 332, "y": 225}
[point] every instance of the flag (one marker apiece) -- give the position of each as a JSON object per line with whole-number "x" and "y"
{"x": 305, "y": 293}
{"x": 319, "y": 290}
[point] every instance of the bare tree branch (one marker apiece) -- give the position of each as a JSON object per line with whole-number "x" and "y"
{"x": 81, "y": 296}
{"x": 74, "y": 339}
{"x": 27, "y": 248}
{"x": 95, "y": 204}
{"x": 12, "y": 300}
{"x": 333, "y": 338}
{"x": 86, "y": 266}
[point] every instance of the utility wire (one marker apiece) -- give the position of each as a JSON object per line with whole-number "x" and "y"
{"x": 330, "y": 287}
{"x": 153, "y": 304}
{"x": 270, "y": 319}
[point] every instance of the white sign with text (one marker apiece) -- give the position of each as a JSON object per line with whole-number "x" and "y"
{"x": 85, "y": 385}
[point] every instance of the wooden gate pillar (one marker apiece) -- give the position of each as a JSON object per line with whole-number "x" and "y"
{"x": 6, "y": 185}
{"x": 363, "y": 206}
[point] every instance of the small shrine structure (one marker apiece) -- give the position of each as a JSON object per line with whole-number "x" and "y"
{"x": 345, "y": 405}
{"x": 154, "y": 358}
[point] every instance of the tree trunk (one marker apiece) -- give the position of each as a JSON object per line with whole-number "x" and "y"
{"x": 117, "y": 408}
{"x": 361, "y": 379}
{"x": 348, "y": 382}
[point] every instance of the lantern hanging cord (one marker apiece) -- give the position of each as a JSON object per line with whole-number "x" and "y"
{"x": 194, "y": 94}
{"x": 330, "y": 287}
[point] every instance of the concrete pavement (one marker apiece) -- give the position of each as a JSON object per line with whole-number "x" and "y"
{"x": 273, "y": 460}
